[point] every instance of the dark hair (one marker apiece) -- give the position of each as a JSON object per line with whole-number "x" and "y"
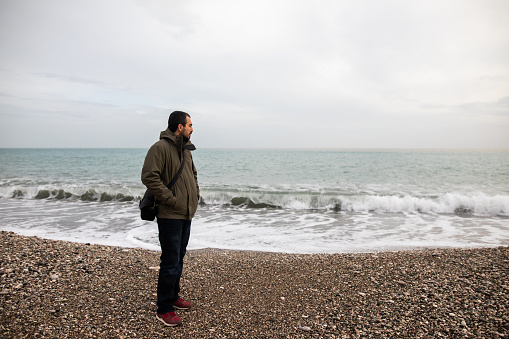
{"x": 176, "y": 118}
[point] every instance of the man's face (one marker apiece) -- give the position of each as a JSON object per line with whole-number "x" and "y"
{"x": 186, "y": 130}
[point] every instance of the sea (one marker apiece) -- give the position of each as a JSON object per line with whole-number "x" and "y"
{"x": 277, "y": 200}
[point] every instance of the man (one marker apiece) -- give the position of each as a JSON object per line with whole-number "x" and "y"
{"x": 177, "y": 207}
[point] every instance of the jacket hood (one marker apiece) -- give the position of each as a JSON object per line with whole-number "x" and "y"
{"x": 168, "y": 135}
{"x": 177, "y": 139}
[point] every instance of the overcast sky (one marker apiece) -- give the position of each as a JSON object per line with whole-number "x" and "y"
{"x": 278, "y": 73}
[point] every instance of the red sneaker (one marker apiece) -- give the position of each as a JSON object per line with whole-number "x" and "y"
{"x": 169, "y": 319}
{"x": 181, "y": 304}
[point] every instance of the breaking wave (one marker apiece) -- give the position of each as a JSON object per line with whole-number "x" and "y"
{"x": 478, "y": 204}
{"x": 450, "y": 203}
{"x": 61, "y": 194}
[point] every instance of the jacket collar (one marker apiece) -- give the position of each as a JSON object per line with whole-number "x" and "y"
{"x": 177, "y": 140}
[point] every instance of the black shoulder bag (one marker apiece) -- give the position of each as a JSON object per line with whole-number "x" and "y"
{"x": 149, "y": 204}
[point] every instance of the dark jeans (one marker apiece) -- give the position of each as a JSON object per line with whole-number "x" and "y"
{"x": 173, "y": 237}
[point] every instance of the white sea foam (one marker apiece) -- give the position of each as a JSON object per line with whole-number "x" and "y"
{"x": 449, "y": 203}
{"x": 261, "y": 229}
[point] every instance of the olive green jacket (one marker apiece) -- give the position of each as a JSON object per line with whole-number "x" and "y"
{"x": 161, "y": 164}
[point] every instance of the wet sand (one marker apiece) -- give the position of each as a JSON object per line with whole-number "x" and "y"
{"x": 58, "y": 289}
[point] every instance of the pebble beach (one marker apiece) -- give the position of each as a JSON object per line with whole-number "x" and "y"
{"x": 58, "y": 289}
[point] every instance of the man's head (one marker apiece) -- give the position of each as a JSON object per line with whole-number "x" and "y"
{"x": 180, "y": 123}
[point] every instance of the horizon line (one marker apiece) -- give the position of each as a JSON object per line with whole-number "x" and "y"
{"x": 290, "y": 148}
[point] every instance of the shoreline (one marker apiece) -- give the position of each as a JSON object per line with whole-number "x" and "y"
{"x": 59, "y": 289}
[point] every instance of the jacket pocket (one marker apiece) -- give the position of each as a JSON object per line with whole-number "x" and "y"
{"x": 171, "y": 202}
{"x": 180, "y": 206}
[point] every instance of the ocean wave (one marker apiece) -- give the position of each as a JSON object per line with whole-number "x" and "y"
{"x": 478, "y": 204}
{"x": 61, "y": 194}
{"x": 449, "y": 203}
